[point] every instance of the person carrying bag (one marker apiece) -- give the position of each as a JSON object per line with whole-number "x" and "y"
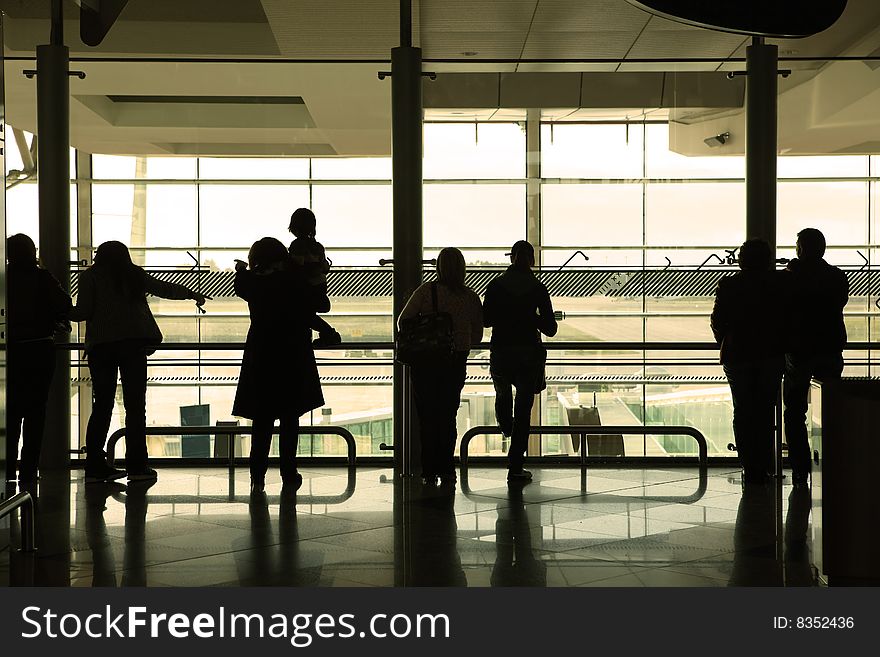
{"x": 437, "y": 327}
{"x": 427, "y": 337}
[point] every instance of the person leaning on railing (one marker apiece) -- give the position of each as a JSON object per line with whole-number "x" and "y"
{"x": 748, "y": 322}
{"x": 36, "y": 305}
{"x": 120, "y": 333}
{"x": 279, "y": 377}
{"x": 819, "y": 292}
{"x": 438, "y": 383}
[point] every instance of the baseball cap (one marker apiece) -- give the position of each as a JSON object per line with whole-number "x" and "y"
{"x": 521, "y": 246}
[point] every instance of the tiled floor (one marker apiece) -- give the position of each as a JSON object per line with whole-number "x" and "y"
{"x": 607, "y": 527}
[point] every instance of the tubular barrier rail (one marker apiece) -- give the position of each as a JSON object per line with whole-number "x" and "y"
{"x": 593, "y": 430}
{"x": 26, "y": 502}
{"x": 230, "y": 432}
{"x": 301, "y": 500}
{"x": 607, "y": 498}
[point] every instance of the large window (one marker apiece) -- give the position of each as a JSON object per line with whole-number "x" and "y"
{"x": 638, "y": 230}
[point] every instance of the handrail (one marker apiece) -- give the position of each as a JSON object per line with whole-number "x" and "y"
{"x": 609, "y": 498}
{"x": 26, "y": 502}
{"x": 230, "y": 431}
{"x": 588, "y": 429}
{"x": 591, "y": 345}
{"x": 301, "y": 500}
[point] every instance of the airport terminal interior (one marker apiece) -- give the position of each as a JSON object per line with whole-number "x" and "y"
{"x": 612, "y": 139}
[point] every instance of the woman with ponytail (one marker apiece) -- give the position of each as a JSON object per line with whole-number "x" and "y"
{"x": 120, "y": 333}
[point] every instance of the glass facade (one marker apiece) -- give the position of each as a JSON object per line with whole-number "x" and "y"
{"x": 632, "y": 238}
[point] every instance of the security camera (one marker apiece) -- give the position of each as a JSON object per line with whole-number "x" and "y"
{"x": 717, "y": 140}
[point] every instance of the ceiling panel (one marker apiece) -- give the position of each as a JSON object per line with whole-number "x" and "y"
{"x": 472, "y": 16}
{"x": 587, "y": 16}
{"x": 339, "y": 29}
{"x": 680, "y": 41}
{"x": 578, "y": 45}
{"x": 498, "y": 45}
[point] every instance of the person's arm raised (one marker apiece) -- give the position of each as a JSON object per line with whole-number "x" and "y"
{"x": 167, "y": 290}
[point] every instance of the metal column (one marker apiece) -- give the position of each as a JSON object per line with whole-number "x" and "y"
{"x": 53, "y": 167}
{"x": 3, "y": 386}
{"x": 84, "y": 251}
{"x": 533, "y": 231}
{"x": 761, "y": 63}
{"x": 761, "y": 148}
{"x": 406, "y": 150}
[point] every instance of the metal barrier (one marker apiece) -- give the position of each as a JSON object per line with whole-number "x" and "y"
{"x": 230, "y": 432}
{"x": 26, "y": 502}
{"x": 608, "y": 498}
{"x": 301, "y": 500}
{"x": 592, "y": 430}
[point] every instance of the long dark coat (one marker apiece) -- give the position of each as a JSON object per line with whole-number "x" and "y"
{"x": 279, "y": 377}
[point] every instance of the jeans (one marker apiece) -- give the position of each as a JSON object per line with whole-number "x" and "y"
{"x": 438, "y": 395}
{"x": 30, "y": 369}
{"x": 261, "y": 441}
{"x": 799, "y": 370}
{"x": 126, "y": 359}
{"x": 754, "y": 386}
{"x": 521, "y": 369}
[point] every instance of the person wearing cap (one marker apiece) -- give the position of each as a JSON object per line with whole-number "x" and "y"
{"x": 816, "y": 339}
{"x": 517, "y": 306}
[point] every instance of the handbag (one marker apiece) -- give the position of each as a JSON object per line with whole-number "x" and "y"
{"x": 426, "y": 338}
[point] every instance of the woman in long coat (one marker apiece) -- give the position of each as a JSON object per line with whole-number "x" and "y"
{"x": 279, "y": 376}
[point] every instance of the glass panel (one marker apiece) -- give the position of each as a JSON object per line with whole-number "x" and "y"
{"x": 822, "y": 166}
{"x": 592, "y": 151}
{"x": 113, "y": 167}
{"x": 470, "y": 150}
{"x": 474, "y": 215}
{"x": 239, "y": 215}
{"x": 351, "y": 168}
{"x": 171, "y": 168}
{"x": 695, "y": 214}
{"x": 838, "y": 209}
{"x": 663, "y": 162}
{"x": 253, "y": 168}
{"x": 595, "y": 215}
{"x": 353, "y": 215}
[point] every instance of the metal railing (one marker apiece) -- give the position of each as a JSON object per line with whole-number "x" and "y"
{"x": 301, "y": 500}
{"x": 24, "y": 501}
{"x": 585, "y": 430}
{"x": 608, "y": 498}
{"x": 230, "y": 432}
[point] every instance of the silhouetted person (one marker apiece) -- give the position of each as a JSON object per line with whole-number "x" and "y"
{"x": 747, "y": 323}
{"x": 120, "y": 333}
{"x": 517, "y": 307}
{"x": 515, "y": 563}
{"x": 438, "y": 385}
{"x": 279, "y": 377}
{"x": 309, "y": 253}
{"x": 819, "y": 292}
{"x": 36, "y": 306}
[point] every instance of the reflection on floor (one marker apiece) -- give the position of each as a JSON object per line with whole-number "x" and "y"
{"x": 609, "y": 527}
